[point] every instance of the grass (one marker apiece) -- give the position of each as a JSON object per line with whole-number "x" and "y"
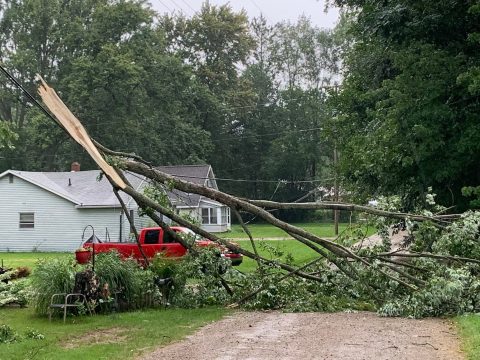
{"x": 301, "y": 254}
{"x": 267, "y": 231}
{"x": 469, "y": 328}
{"x": 118, "y": 336}
{"x": 16, "y": 259}
{"x": 140, "y": 332}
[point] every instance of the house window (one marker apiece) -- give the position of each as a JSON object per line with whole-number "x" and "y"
{"x": 10, "y": 178}
{"x": 27, "y": 220}
{"x": 225, "y": 215}
{"x": 209, "y": 216}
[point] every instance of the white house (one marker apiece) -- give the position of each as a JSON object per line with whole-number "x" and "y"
{"x": 49, "y": 211}
{"x": 213, "y": 216}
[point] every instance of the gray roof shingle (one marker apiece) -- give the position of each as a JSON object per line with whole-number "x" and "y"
{"x": 86, "y": 189}
{"x": 196, "y": 174}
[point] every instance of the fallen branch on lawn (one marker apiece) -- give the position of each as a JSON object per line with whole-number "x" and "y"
{"x": 328, "y": 249}
{"x": 436, "y": 219}
{"x": 247, "y": 231}
{"x": 426, "y": 255}
{"x": 291, "y": 273}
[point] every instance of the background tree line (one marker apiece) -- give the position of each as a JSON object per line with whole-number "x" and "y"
{"x": 245, "y": 96}
{"x": 258, "y": 101}
{"x": 408, "y": 114}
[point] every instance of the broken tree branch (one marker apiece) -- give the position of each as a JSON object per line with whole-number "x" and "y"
{"x": 291, "y": 273}
{"x": 132, "y": 224}
{"x": 428, "y": 255}
{"x": 178, "y": 219}
{"x": 353, "y": 207}
{"x": 247, "y": 231}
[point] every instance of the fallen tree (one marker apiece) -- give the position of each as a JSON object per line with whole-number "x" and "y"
{"x": 373, "y": 272}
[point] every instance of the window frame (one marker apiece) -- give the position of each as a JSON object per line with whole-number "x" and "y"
{"x": 210, "y": 214}
{"x": 25, "y": 223}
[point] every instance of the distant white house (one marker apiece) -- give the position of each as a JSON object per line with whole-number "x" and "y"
{"x": 213, "y": 216}
{"x": 49, "y": 211}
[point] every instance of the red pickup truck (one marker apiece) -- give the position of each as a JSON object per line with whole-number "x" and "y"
{"x": 153, "y": 241}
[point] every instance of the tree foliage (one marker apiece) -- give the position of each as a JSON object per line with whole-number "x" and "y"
{"x": 109, "y": 60}
{"x": 408, "y": 109}
{"x": 245, "y": 96}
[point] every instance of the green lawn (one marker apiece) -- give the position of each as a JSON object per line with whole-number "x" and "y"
{"x": 141, "y": 331}
{"x": 16, "y": 259}
{"x": 267, "y": 231}
{"x": 469, "y": 327}
{"x": 118, "y": 336}
{"x": 301, "y": 254}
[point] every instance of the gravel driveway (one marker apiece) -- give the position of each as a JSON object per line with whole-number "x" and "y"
{"x": 275, "y": 335}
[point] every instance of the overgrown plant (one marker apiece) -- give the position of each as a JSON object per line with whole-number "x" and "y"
{"x": 7, "y": 334}
{"x": 199, "y": 279}
{"x": 132, "y": 286}
{"x": 13, "y": 291}
{"x": 50, "y": 277}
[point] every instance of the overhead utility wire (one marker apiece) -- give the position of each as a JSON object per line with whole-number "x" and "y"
{"x": 102, "y": 124}
{"x": 40, "y": 106}
{"x": 165, "y": 6}
{"x": 30, "y": 96}
{"x": 178, "y": 6}
{"x": 240, "y": 180}
{"x": 186, "y": 3}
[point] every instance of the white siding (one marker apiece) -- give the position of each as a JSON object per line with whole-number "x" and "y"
{"x": 58, "y": 224}
{"x": 220, "y": 226}
{"x": 215, "y": 228}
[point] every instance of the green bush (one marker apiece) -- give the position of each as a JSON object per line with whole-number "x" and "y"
{"x": 13, "y": 291}
{"x": 163, "y": 266}
{"x": 462, "y": 238}
{"x": 132, "y": 286}
{"x": 34, "y": 334}
{"x": 197, "y": 280}
{"x": 7, "y": 335}
{"x": 50, "y": 277}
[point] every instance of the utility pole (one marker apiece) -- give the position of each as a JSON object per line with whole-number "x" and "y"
{"x": 336, "y": 213}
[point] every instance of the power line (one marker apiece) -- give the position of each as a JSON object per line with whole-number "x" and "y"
{"x": 233, "y": 136}
{"x": 32, "y": 99}
{"x": 165, "y": 6}
{"x": 186, "y": 3}
{"x": 178, "y": 6}
{"x": 258, "y": 7}
{"x": 269, "y": 134}
{"x": 278, "y": 182}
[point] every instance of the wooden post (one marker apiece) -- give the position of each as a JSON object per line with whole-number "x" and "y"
{"x": 336, "y": 213}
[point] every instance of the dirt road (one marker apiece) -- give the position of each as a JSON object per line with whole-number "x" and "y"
{"x": 345, "y": 336}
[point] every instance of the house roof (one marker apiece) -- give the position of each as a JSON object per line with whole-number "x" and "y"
{"x": 197, "y": 174}
{"x": 85, "y": 189}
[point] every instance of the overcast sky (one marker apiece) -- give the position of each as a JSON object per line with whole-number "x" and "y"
{"x": 273, "y": 10}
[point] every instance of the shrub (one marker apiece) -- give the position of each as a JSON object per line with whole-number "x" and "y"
{"x": 13, "y": 291}
{"x": 197, "y": 280}
{"x": 34, "y": 334}
{"x": 133, "y": 286}
{"x": 164, "y": 267}
{"x": 48, "y": 278}
{"x": 7, "y": 335}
